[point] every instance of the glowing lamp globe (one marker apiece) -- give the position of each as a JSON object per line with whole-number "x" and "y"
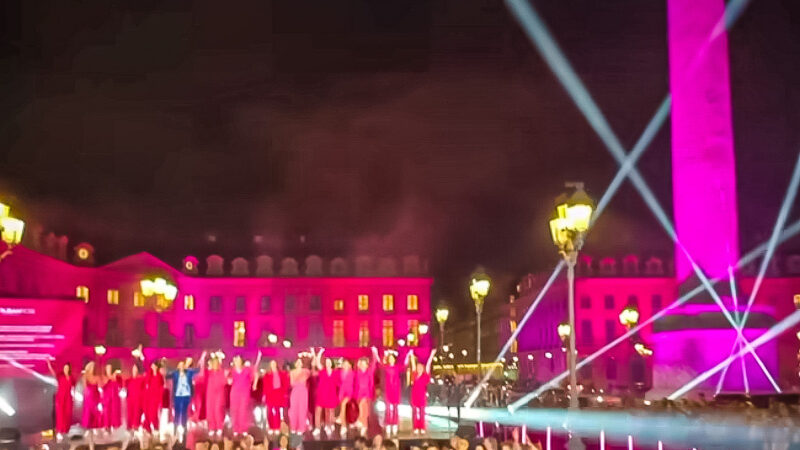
{"x": 479, "y": 288}
{"x": 147, "y": 287}
{"x": 573, "y": 215}
{"x": 272, "y": 338}
{"x": 170, "y": 292}
{"x": 629, "y": 317}
{"x": 12, "y": 230}
{"x": 442, "y": 314}
{"x": 99, "y": 350}
{"x": 423, "y": 328}
{"x": 564, "y": 330}
{"x": 464, "y": 353}
{"x": 287, "y": 343}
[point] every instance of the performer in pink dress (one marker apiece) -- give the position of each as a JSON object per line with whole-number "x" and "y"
{"x": 391, "y": 389}
{"x": 112, "y": 405}
{"x": 63, "y": 399}
{"x": 275, "y": 388}
{"x": 298, "y": 399}
{"x": 419, "y": 393}
{"x": 365, "y": 390}
{"x": 346, "y": 377}
{"x": 242, "y": 380}
{"x": 90, "y": 419}
{"x": 327, "y": 400}
{"x": 216, "y": 381}
{"x": 135, "y": 389}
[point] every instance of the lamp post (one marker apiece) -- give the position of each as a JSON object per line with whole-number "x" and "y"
{"x": 441, "y": 316}
{"x": 11, "y": 230}
{"x": 629, "y": 317}
{"x": 568, "y": 229}
{"x": 478, "y": 290}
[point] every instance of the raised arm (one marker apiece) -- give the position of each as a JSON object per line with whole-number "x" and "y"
{"x": 409, "y": 354}
{"x": 430, "y": 360}
{"x": 375, "y": 357}
{"x": 50, "y": 368}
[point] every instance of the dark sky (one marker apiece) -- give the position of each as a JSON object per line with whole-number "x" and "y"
{"x": 383, "y": 127}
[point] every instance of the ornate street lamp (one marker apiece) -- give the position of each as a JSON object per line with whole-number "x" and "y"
{"x": 568, "y": 228}
{"x": 441, "y": 316}
{"x": 164, "y": 291}
{"x": 629, "y": 317}
{"x": 564, "y": 330}
{"x": 478, "y": 289}
{"x": 11, "y": 229}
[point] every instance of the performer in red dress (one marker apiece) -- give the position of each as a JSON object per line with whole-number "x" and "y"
{"x": 198, "y": 406}
{"x": 419, "y": 393}
{"x": 65, "y": 380}
{"x": 134, "y": 400}
{"x": 275, "y": 387}
{"x": 153, "y": 396}
{"x": 391, "y": 389}
{"x": 112, "y": 407}
{"x": 365, "y": 390}
{"x": 326, "y": 398}
{"x": 242, "y": 379}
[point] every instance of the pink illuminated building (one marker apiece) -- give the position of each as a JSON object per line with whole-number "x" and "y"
{"x": 605, "y": 287}
{"x": 238, "y": 311}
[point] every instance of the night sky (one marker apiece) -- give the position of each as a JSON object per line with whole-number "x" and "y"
{"x": 367, "y": 127}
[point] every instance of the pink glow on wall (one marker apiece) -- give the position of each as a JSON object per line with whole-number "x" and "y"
{"x": 300, "y": 309}
{"x": 703, "y": 166}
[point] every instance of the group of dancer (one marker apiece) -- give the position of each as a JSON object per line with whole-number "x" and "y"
{"x": 313, "y": 395}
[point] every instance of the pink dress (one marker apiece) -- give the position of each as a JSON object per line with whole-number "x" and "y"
{"x": 347, "y": 380}
{"x": 215, "y": 398}
{"x": 298, "y": 402}
{"x": 241, "y": 408}
{"x": 91, "y": 413}
{"x": 112, "y": 405}
{"x": 326, "y": 389}
{"x": 365, "y": 383}
{"x": 63, "y": 402}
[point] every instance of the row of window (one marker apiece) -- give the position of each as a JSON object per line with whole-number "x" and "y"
{"x": 610, "y": 303}
{"x": 387, "y": 334}
{"x": 215, "y": 302}
{"x": 586, "y": 337}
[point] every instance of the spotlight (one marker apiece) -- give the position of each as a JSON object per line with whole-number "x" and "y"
{"x": 272, "y": 338}
{"x": 464, "y": 352}
{"x": 287, "y": 343}
{"x": 548, "y": 355}
{"x": 530, "y": 357}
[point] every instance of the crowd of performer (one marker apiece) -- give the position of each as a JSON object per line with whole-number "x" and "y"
{"x": 314, "y": 395}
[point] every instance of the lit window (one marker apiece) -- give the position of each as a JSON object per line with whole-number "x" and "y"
{"x": 388, "y": 333}
{"x": 413, "y": 333}
{"x": 239, "y": 333}
{"x": 363, "y": 302}
{"x": 338, "y": 305}
{"x": 513, "y": 325}
{"x": 388, "y": 302}
{"x": 113, "y": 297}
{"x": 338, "y": 333}
{"x": 138, "y": 299}
{"x": 363, "y": 334}
{"x": 412, "y": 302}
{"x": 188, "y": 302}
{"x": 82, "y": 292}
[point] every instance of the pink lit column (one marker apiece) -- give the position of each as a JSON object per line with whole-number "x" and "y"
{"x": 704, "y": 200}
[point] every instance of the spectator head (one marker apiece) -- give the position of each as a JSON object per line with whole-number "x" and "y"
{"x": 389, "y": 444}
{"x": 361, "y": 443}
{"x": 377, "y": 441}
{"x": 490, "y": 443}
